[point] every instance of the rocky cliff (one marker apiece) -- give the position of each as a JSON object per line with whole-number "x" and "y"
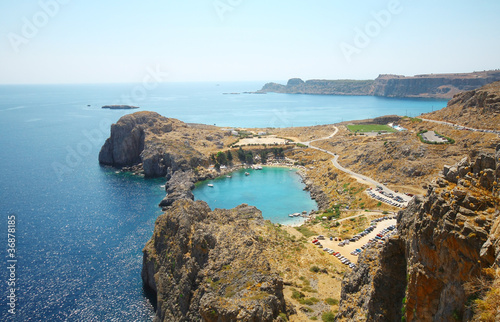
{"x": 446, "y": 240}
{"x": 479, "y": 108}
{"x": 209, "y": 265}
{"x": 159, "y": 146}
{"x": 430, "y": 86}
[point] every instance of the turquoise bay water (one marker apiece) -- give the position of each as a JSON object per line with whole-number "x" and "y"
{"x": 80, "y": 228}
{"x": 276, "y": 191}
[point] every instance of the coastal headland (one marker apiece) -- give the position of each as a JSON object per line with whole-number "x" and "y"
{"x": 221, "y": 265}
{"x": 387, "y": 85}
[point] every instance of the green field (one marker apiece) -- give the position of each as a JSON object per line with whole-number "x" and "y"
{"x": 370, "y": 128}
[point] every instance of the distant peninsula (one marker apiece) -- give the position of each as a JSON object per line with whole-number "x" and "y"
{"x": 120, "y": 107}
{"x": 419, "y": 86}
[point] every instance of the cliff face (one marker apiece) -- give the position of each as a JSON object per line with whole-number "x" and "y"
{"x": 209, "y": 265}
{"x": 159, "y": 146}
{"x": 430, "y": 86}
{"x": 479, "y": 108}
{"x": 445, "y": 241}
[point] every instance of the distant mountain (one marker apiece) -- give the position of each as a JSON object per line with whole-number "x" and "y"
{"x": 428, "y": 85}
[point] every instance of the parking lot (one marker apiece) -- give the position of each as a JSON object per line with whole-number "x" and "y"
{"x": 399, "y": 200}
{"x": 347, "y": 249}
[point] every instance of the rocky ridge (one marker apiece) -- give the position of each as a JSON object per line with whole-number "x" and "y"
{"x": 445, "y": 240}
{"x": 479, "y": 108}
{"x": 209, "y": 265}
{"x": 430, "y": 86}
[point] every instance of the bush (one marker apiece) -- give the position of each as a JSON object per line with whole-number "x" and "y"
{"x": 314, "y": 269}
{"x": 297, "y": 295}
{"x": 331, "y": 301}
{"x": 328, "y": 317}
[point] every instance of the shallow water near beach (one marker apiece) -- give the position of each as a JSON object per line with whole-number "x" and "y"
{"x": 276, "y": 191}
{"x": 80, "y": 228}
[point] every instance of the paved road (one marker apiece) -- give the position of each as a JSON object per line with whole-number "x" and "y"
{"x": 363, "y": 179}
{"x": 458, "y": 125}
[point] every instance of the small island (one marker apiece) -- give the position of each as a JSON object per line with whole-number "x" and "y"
{"x": 120, "y": 107}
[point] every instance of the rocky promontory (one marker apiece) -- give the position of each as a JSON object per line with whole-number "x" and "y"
{"x": 159, "y": 146}
{"x": 428, "y": 85}
{"x": 443, "y": 260}
{"x": 209, "y": 265}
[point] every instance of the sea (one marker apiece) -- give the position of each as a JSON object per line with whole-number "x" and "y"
{"x": 73, "y": 231}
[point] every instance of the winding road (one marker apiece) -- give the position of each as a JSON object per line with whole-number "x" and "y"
{"x": 361, "y": 178}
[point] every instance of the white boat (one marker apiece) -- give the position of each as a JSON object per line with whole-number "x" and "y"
{"x": 247, "y": 174}
{"x": 291, "y": 215}
{"x": 228, "y": 177}
{"x": 259, "y": 167}
{"x": 210, "y": 185}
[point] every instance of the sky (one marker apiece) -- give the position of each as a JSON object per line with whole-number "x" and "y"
{"x": 72, "y": 41}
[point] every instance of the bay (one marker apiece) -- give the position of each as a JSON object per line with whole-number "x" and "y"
{"x": 80, "y": 228}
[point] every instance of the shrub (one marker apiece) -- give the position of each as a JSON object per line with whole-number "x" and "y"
{"x": 314, "y": 269}
{"x": 331, "y": 301}
{"x": 328, "y": 317}
{"x": 297, "y": 295}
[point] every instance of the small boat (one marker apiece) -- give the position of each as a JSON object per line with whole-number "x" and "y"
{"x": 228, "y": 177}
{"x": 259, "y": 167}
{"x": 210, "y": 185}
{"x": 291, "y": 215}
{"x": 247, "y": 174}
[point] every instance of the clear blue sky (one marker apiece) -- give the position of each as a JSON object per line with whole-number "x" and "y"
{"x": 117, "y": 41}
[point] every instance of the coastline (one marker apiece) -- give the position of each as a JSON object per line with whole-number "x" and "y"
{"x": 297, "y": 169}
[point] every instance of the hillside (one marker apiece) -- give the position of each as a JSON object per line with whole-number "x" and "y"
{"x": 479, "y": 109}
{"x": 427, "y": 86}
{"x": 443, "y": 263}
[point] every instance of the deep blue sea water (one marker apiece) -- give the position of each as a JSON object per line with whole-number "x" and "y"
{"x": 80, "y": 228}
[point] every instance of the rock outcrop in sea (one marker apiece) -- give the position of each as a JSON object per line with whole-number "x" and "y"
{"x": 209, "y": 265}
{"x": 445, "y": 242}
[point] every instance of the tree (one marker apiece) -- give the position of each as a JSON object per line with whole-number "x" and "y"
{"x": 229, "y": 156}
{"x": 241, "y": 155}
{"x": 221, "y": 158}
{"x": 212, "y": 158}
{"x": 263, "y": 156}
{"x": 278, "y": 152}
{"x": 249, "y": 157}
